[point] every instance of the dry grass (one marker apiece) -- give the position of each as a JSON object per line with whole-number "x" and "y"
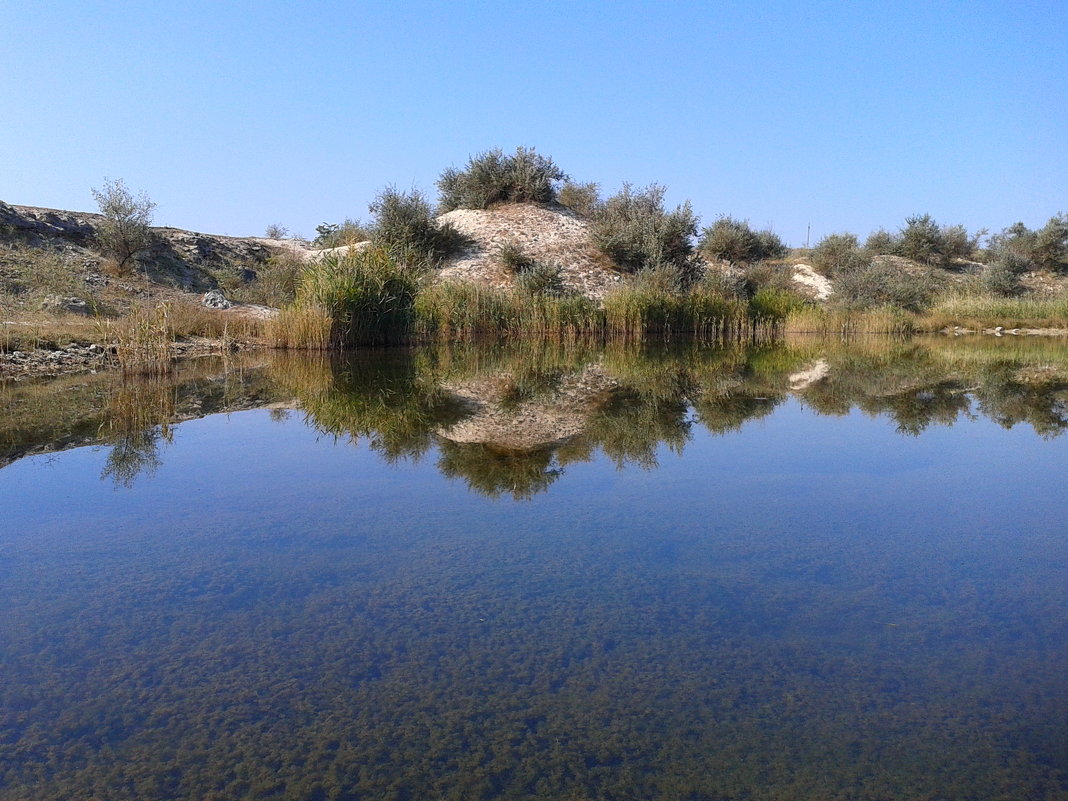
{"x": 978, "y": 311}
{"x": 297, "y": 327}
{"x": 843, "y": 322}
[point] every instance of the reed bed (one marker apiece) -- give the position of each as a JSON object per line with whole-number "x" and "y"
{"x": 364, "y": 297}
{"x": 978, "y": 311}
{"x": 142, "y": 340}
{"x": 844, "y": 322}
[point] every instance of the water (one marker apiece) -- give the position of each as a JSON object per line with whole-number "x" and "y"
{"x": 804, "y": 572}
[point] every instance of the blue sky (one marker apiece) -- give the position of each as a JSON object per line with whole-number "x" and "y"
{"x": 839, "y": 116}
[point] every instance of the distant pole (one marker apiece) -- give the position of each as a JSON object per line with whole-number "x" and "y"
{"x": 808, "y": 230}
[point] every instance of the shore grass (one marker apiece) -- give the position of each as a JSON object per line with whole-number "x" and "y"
{"x": 978, "y": 311}
{"x": 841, "y": 322}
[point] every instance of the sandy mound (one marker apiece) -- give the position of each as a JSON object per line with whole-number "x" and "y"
{"x": 551, "y": 235}
{"x": 820, "y": 286}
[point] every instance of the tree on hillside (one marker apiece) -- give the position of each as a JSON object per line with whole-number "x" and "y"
{"x": 125, "y": 231}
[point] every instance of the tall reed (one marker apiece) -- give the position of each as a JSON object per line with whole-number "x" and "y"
{"x": 842, "y": 322}
{"x": 362, "y": 297}
{"x": 980, "y": 310}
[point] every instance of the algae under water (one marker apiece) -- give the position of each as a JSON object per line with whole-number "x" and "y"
{"x": 807, "y": 571}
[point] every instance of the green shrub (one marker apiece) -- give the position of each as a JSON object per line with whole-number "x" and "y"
{"x": 836, "y": 252}
{"x": 723, "y": 284}
{"x": 729, "y": 240}
{"x": 1044, "y": 249}
{"x": 276, "y": 280}
{"x": 770, "y": 245}
{"x": 532, "y": 276}
{"x": 957, "y": 243}
{"x": 881, "y": 243}
{"x": 765, "y": 275}
{"x": 582, "y": 199}
{"x": 924, "y": 241}
{"x": 542, "y": 279}
{"x": 404, "y": 225}
{"x": 879, "y": 284}
{"x": 335, "y": 235}
{"x": 514, "y": 258}
{"x": 1050, "y": 250}
{"x": 921, "y": 240}
{"x": 733, "y": 241}
{"x": 1002, "y": 278}
{"x": 493, "y": 177}
{"x": 770, "y": 303}
{"x": 634, "y": 230}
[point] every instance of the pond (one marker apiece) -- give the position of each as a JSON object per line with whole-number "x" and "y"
{"x": 805, "y": 571}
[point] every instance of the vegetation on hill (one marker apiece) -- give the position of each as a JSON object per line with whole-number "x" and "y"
{"x": 729, "y": 280}
{"x": 493, "y": 177}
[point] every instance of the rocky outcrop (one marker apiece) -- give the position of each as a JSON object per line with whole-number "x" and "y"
{"x": 187, "y": 260}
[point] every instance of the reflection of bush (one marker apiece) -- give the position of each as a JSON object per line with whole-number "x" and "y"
{"x": 490, "y": 472}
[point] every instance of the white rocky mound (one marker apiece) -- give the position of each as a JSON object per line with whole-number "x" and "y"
{"x": 549, "y": 235}
{"x": 820, "y": 286}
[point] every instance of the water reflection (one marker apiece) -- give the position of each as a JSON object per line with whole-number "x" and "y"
{"x": 803, "y": 609}
{"x": 509, "y": 421}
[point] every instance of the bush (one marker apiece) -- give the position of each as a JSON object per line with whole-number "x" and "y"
{"x": 836, "y": 252}
{"x": 731, "y": 285}
{"x": 879, "y": 284}
{"x": 125, "y": 230}
{"x": 542, "y": 279}
{"x": 770, "y": 245}
{"x": 922, "y": 240}
{"x": 532, "y": 276}
{"x": 404, "y": 226}
{"x": 367, "y": 295}
{"x": 733, "y": 241}
{"x": 493, "y": 177}
{"x": 514, "y": 258}
{"x": 881, "y": 243}
{"x": 957, "y": 243}
{"x": 276, "y": 280}
{"x": 276, "y": 231}
{"x": 729, "y": 240}
{"x": 633, "y": 229}
{"x": 582, "y": 199}
{"x": 1002, "y": 276}
{"x": 1050, "y": 251}
{"x": 335, "y": 235}
{"x": 763, "y": 275}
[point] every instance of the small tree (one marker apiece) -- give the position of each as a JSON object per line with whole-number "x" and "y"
{"x": 125, "y": 231}
{"x": 404, "y": 225}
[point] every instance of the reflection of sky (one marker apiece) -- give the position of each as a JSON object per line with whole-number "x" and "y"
{"x": 869, "y": 574}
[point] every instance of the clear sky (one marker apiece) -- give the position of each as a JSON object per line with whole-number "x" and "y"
{"x": 846, "y": 116}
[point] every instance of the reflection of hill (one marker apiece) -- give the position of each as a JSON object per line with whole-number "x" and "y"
{"x": 527, "y": 411}
{"x": 509, "y": 422}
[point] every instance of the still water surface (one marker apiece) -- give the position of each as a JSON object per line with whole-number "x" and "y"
{"x": 803, "y": 572}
